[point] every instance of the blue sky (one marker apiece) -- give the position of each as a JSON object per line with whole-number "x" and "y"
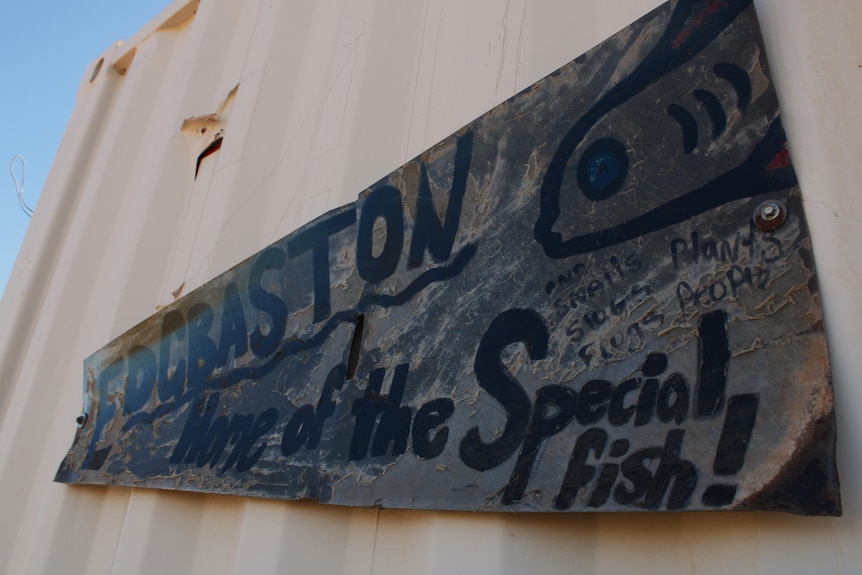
{"x": 46, "y": 46}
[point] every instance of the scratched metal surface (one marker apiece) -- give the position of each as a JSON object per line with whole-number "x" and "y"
{"x": 597, "y": 323}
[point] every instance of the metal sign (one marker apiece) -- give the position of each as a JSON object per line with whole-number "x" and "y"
{"x": 600, "y": 295}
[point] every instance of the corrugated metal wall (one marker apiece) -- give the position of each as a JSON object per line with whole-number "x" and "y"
{"x": 331, "y": 95}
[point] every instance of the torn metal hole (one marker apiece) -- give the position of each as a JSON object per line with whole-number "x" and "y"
{"x": 355, "y": 346}
{"x": 210, "y": 150}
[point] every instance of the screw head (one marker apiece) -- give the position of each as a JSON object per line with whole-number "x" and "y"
{"x": 81, "y": 420}
{"x": 770, "y": 215}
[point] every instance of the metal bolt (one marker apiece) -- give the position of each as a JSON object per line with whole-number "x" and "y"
{"x": 770, "y": 215}
{"x": 81, "y": 420}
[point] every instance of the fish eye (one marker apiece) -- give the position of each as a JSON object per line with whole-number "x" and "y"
{"x": 603, "y": 169}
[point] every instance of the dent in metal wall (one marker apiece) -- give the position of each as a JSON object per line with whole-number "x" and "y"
{"x": 125, "y": 223}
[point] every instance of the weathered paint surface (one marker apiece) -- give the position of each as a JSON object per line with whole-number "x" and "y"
{"x": 567, "y": 305}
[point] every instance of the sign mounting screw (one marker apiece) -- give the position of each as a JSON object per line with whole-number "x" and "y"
{"x": 770, "y": 215}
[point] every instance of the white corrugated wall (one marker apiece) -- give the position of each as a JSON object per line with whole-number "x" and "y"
{"x": 332, "y": 95}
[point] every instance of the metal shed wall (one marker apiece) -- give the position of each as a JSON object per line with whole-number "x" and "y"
{"x": 331, "y": 95}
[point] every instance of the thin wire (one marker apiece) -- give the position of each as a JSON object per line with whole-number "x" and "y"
{"x": 19, "y": 187}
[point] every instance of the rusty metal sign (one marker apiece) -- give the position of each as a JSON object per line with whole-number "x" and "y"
{"x": 600, "y": 295}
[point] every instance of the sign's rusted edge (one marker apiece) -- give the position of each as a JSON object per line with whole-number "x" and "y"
{"x": 600, "y": 295}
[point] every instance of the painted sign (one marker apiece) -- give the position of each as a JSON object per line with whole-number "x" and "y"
{"x": 600, "y": 295}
